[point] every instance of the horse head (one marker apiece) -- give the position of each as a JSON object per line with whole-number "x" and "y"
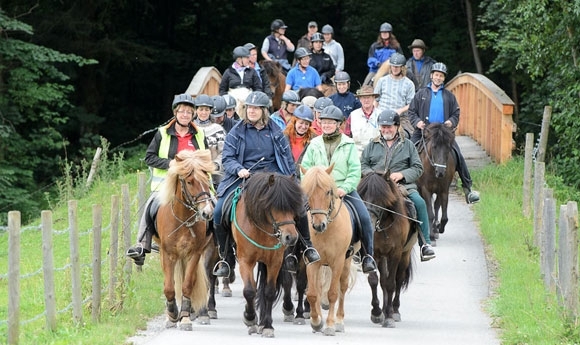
{"x": 438, "y": 143}
{"x": 321, "y": 192}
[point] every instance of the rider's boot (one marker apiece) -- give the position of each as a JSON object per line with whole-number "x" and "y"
{"x": 310, "y": 254}
{"x": 222, "y": 267}
{"x": 137, "y": 252}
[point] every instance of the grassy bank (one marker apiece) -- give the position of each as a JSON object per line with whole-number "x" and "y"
{"x": 521, "y": 306}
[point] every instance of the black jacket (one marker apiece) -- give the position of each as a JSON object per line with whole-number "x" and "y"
{"x": 231, "y": 80}
{"x": 323, "y": 64}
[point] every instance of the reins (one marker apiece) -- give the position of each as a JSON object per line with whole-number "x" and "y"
{"x": 190, "y": 203}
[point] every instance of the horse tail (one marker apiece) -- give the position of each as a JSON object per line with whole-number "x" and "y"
{"x": 408, "y": 274}
{"x": 262, "y": 281}
{"x": 200, "y": 289}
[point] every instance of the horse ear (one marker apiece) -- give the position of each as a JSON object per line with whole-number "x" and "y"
{"x": 302, "y": 169}
{"x": 271, "y": 180}
{"x": 329, "y": 169}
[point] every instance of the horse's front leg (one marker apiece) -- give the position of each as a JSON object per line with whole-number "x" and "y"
{"x": 249, "y": 317}
{"x": 313, "y": 296}
{"x": 301, "y": 282}
{"x": 169, "y": 290}
{"x": 377, "y": 315}
{"x": 270, "y": 293}
{"x": 344, "y": 279}
{"x": 187, "y": 288}
{"x": 287, "y": 305}
{"x": 388, "y": 283}
{"x": 332, "y": 295}
{"x": 444, "y": 219}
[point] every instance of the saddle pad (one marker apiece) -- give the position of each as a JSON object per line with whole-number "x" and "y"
{"x": 355, "y": 221}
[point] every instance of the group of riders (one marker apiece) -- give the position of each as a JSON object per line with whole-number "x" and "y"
{"x": 349, "y": 131}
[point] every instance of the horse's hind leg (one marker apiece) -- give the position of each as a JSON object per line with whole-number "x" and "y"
{"x": 377, "y": 315}
{"x": 344, "y": 279}
{"x": 302, "y": 308}
{"x": 287, "y": 305}
{"x": 249, "y": 316}
{"x": 389, "y": 283}
{"x": 313, "y": 295}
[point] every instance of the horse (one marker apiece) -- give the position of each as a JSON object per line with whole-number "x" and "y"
{"x": 263, "y": 223}
{"x": 240, "y": 94}
{"x": 393, "y": 244}
{"x": 310, "y": 91}
{"x": 299, "y": 314}
{"x": 435, "y": 150}
{"x": 186, "y": 204}
{"x": 331, "y": 232}
{"x": 277, "y": 81}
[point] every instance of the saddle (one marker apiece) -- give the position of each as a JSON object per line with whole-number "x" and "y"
{"x": 227, "y": 209}
{"x": 356, "y": 226}
{"x": 150, "y": 215}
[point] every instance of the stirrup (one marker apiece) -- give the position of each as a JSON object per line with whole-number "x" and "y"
{"x": 313, "y": 251}
{"x": 291, "y": 263}
{"x": 135, "y": 251}
{"x": 219, "y": 269}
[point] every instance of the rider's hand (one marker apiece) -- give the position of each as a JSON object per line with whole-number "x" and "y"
{"x": 244, "y": 173}
{"x": 448, "y": 123}
{"x": 396, "y": 177}
{"x": 421, "y": 125}
{"x": 341, "y": 193}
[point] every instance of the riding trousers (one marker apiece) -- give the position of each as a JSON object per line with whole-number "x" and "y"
{"x": 365, "y": 221}
{"x": 422, "y": 215}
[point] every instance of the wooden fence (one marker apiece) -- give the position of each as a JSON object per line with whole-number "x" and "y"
{"x": 125, "y": 222}
{"x": 556, "y": 237}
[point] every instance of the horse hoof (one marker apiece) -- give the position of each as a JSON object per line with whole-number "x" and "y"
{"x": 268, "y": 333}
{"x": 185, "y": 326}
{"x": 226, "y": 293}
{"x": 378, "y": 319}
{"x": 397, "y": 317}
{"x": 316, "y": 328}
{"x": 288, "y": 318}
{"x": 307, "y": 315}
{"x": 339, "y": 327}
{"x": 329, "y": 331}
{"x": 250, "y": 323}
{"x": 253, "y": 329}
{"x": 170, "y": 324}
{"x": 389, "y": 323}
{"x": 212, "y": 314}
{"x": 299, "y": 321}
{"x": 203, "y": 320}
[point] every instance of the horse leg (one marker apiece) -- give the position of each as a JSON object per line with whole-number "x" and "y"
{"x": 388, "y": 283}
{"x": 169, "y": 291}
{"x": 444, "y": 204}
{"x": 249, "y": 316}
{"x": 436, "y": 229}
{"x": 301, "y": 282}
{"x": 401, "y": 278}
{"x": 377, "y": 315}
{"x": 313, "y": 296}
{"x": 344, "y": 279}
{"x": 268, "y": 302}
{"x": 189, "y": 281}
{"x": 287, "y": 305}
{"x": 332, "y": 295}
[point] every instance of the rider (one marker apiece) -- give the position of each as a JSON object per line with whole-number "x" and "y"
{"x": 255, "y": 144}
{"x": 333, "y": 147}
{"x": 218, "y": 113}
{"x": 276, "y": 46}
{"x": 343, "y": 98}
{"x": 179, "y": 134}
{"x": 393, "y": 154}
{"x": 215, "y": 134}
{"x": 321, "y": 61}
{"x": 303, "y": 75}
{"x": 290, "y": 100}
{"x": 380, "y": 51}
{"x": 319, "y": 106}
{"x": 262, "y": 74}
{"x": 231, "y": 104}
{"x": 427, "y": 107}
{"x": 239, "y": 74}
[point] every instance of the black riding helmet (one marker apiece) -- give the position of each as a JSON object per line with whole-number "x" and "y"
{"x": 388, "y": 117}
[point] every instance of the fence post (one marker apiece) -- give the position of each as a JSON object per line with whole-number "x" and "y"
{"x": 544, "y": 133}
{"x": 538, "y": 200}
{"x": 142, "y": 194}
{"x": 568, "y": 258}
{"x": 94, "y": 166}
{"x": 528, "y": 160}
{"x": 113, "y": 248}
{"x": 126, "y": 209}
{"x": 77, "y": 300}
{"x": 48, "y": 270}
{"x": 547, "y": 245}
{"x": 13, "y": 277}
{"x": 97, "y": 230}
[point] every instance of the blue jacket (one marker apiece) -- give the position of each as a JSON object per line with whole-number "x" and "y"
{"x": 347, "y": 102}
{"x": 235, "y": 147}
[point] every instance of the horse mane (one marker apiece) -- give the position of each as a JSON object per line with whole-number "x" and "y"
{"x": 310, "y": 91}
{"x": 196, "y": 163}
{"x": 439, "y": 135}
{"x": 317, "y": 177}
{"x": 272, "y": 68}
{"x": 379, "y": 190}
{"x": 271, "y": 191}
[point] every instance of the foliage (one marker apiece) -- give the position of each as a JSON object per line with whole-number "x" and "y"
{"x": 536, "y": 42}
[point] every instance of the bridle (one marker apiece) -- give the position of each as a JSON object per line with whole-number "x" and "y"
{"x": 191, "y": 203}
{"x": 327, "y": 212}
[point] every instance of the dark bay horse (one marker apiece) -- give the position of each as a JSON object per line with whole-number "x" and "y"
{"x": 331, "y": 232}
{"x": 186, "y": 204}
{"x": 263, "y": 223}
{"x": 277, "y": 81}
{"x": 435, "y": 150}
{"x": 393, "y": 244}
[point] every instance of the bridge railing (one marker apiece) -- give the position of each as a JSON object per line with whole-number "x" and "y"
{"x": 486, "y": 114}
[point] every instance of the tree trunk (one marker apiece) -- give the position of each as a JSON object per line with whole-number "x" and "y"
{"x": 472, "y": 40}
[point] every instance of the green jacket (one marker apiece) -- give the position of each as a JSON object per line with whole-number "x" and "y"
{"x": 405, "y": 159}
{"x": 346, "y": 171}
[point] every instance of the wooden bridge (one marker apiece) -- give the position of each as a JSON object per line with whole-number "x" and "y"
{"x": 486, "y": 110}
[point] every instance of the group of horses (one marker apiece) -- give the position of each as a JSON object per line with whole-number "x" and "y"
{"x": 263, "y": 215}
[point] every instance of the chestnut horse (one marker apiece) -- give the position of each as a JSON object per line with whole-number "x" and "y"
{"x": 393, "y": 244}
{"x": 263, "y": 223}
{"x": 331, "y": 232}
{"x": 186, "y": 204}
{"x": 435, "y": 150}
{"x": 277, "y": 81}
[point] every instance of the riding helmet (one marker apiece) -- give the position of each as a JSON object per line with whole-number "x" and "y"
{"x": 219, "y": 106}
{"x": 182, "y": 99}
{"x": 388, "y": 117}
{"x": 258, "y": 99}
{"x": 332, "y": 112}
{"x": 439, "y": 67}
{"x": 241, "y": 52}
{"x": 230, "y": 102}
{"x": 304, "y": 112}
{"x": 322, "y": 103}
{"x": 301, "y": 52}
{"x": 203, "y": 100}
{"x": 341, "y": 77}
{"x": 291, "y": 96}
{"x": 397, "y": 59}
{"x": 277, "y": 24}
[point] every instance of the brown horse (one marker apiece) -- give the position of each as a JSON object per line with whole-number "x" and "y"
{"x": 186, "y": 204}
{"x": 393, "y": 243}
{"x": 435, "y": 150}
{"x": 277, "y": 81}
{"x": 331, "y": 233}
{"x": 263, "y": 224}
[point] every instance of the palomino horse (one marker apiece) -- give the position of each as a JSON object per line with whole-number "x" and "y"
{"x": 277, "y": 81}
{"x": 435, "y": 150}
{"x": 240, "y": 94}
{"x": 331, "y": 232}
{"x": 186, "y": 204}
{"x": 393, "y": 244}
{"x": 263, "y": 223}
